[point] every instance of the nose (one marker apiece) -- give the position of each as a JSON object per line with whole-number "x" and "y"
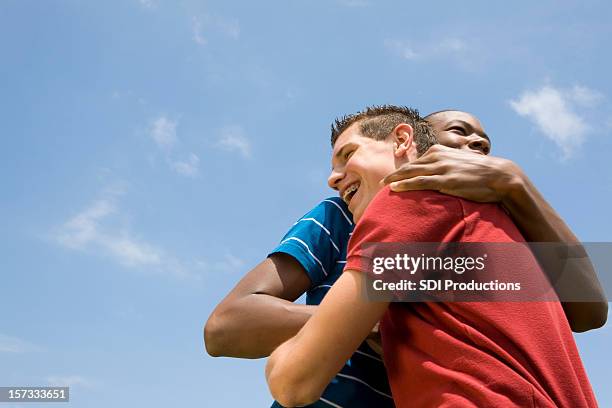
{"x": 479, "y": 143}
{"x": 334, "y": 179}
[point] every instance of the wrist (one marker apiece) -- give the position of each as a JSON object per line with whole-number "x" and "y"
{"x": 511, "y": 184}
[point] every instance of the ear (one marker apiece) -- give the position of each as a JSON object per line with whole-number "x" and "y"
{"x": 402, "y": 138}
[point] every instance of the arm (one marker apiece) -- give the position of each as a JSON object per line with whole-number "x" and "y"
{"x": 491, "y": 179}
{"x": 299, "y": 370}
{"x": 258, "y": 314}
{"x": 539, "y": 222}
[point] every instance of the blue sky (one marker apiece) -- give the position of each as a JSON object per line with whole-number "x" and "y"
{"x": 156, "y": 150}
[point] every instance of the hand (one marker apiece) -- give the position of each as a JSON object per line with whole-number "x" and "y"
{"x": 460, "y": 173}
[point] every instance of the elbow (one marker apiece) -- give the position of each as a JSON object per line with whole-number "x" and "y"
{"x": 290, "y": 393}
{"x": 594, "y": 316}
{"x": 288, "y": 389}
{"x": 213, "y": 341}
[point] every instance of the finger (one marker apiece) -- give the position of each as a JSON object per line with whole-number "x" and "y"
{"x": 417, "y": 183}
{"x": 409, "y": 171}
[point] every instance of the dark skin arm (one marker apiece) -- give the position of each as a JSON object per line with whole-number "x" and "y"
{"x": 259, "y": 313}
{"x": 491, "y": 179}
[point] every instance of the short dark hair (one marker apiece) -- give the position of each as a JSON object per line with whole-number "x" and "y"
{"x": 432, "y": 114}
{"x": 377, "y": 122}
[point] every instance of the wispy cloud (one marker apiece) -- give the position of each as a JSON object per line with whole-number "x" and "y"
{"x": 189, "y": 167}
{"x": 228, "y": 264}
{"x": 92, "y": 231}
{"x": 196, "y": 29}
{"x": 210, "y": 23}
{"x": 452, "y": 49}
{"x": 163, "y": 132}
{"x": 233, "y": 139}
{"x": 555, "y": 112}
{"x": 403, "y": 49}
{"x": 10, "y": 344}
{"x": 69, "y": 381}
{"x": 584, "y": 96}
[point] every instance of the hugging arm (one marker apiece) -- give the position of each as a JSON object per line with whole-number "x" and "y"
{"x": 492, "y": 179}
{"x": 299, "y": 370}
{"x": 258, "y": 314}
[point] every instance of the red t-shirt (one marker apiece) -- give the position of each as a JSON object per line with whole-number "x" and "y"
{"x": 476, "y": 354}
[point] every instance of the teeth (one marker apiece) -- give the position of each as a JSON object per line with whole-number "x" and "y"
{"x": 350, "y": 191}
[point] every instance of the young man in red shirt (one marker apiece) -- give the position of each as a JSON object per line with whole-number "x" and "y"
{"x": 437, "y": 354}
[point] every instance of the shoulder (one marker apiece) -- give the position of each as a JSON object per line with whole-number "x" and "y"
{"x": 332, "y": 217}
{"x": 332, "y": 209}
{"x": 319, "y": 238}
{"x": 413, "y": 212}
{"x": 412, "y": 216}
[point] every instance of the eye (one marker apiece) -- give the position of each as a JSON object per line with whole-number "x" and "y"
{"x": 457, "y": 129}
{"x": 348, "y": 154}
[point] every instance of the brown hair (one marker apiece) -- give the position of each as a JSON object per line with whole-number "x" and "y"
{"x": 377, "y": 122}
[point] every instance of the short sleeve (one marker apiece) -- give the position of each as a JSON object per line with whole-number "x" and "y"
{"x": 318, "y": 240}
{"x": 411, "y": 216}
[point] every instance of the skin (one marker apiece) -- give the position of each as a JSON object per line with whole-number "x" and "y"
{"x": 260, "y": 306}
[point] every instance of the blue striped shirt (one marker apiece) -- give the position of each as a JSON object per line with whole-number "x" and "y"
{"x": 319, "y": 241}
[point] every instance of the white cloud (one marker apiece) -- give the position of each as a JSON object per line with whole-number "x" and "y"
{"x": 229, "y": 27}
{"x": 440, "y": 49}
{"x": 10, "y": 344}
{"x": 196, "y": 28}
{"x": 82, "y": 229}
{"x": 131, "y": 252}
{"x": 585, "y": 96}
{"x": 68, "y": 381}
{"x": 96, "y": 230}
{"x": 163, "y": 132}
{"x": 228, "y": 264}
{"x": 402, "y": 49}
{"x": 89, "y": 231}
{"x": 554, "y": 112}
{"x": 189, "y": 167}
{"x": 451, "y": 45}
{"x": 452, "y": 50}
{"x": 233, "y": 139}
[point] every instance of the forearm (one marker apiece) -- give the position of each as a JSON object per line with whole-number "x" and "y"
{"x": 254, "y": 325}
{"x": 299, "y": 370}
{"x": 539, "y": 222}
{"x": 289, "y": 382}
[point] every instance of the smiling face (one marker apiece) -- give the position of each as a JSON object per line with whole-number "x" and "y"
{"x": 460, "y": 130}
{"x": 359, "y": 164}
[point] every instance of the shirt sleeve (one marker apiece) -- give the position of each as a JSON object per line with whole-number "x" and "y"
{"x": 318, "y": 240}
{"x": 412, "y": 216}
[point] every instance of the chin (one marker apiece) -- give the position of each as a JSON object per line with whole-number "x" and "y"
{"x": 357, "y": 215}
